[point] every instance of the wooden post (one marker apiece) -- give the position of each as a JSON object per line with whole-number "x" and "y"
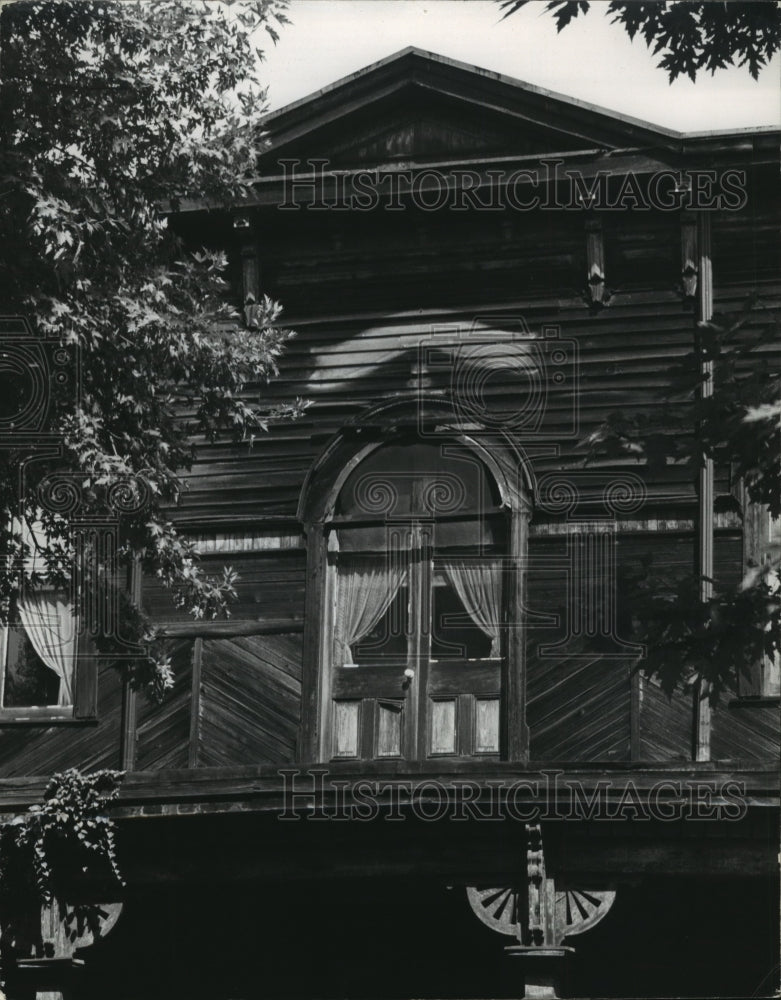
{"x": 515, "y": 730}
{"x": 704, "y": 539}
{"x": 127, "y": 744}
{"x": 309, "y": 748}
{"x": 195, "y": 704}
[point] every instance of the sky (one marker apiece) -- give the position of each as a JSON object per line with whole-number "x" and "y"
{"x": 591, "y": 59}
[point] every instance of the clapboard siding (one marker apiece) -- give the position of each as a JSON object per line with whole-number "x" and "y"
{"x": 345, "y": 366}
{"x": 270, "y": 585}
{"x": 250, "y": 703}
{"x": 163, "y": 731}
{"x": 33, "y": 750}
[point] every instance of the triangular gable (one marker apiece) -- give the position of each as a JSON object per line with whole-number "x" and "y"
{"x": 420, "y": 107}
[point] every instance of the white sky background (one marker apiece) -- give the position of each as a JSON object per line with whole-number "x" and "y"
{"x": 591, "y": 59}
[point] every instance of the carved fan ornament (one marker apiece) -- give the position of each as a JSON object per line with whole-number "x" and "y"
{"x": 576, "y": 910}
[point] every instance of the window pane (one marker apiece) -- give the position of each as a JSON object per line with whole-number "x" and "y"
{"x": 454, "y": 635}
{"x": 28, "y": 681}
{"x": 388, "y": 639}
{"x": 40, "y": 652}
{"x": 416, "y": 477}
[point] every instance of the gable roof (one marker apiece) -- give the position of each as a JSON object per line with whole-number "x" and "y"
{"x": 416, "y": 109}
{"x": 419, "y": 105}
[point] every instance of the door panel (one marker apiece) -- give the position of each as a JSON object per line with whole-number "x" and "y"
{"x": 387, "y": 681}
{"x": 480, "y": 678}
{"x": 389, "y": 729}
{"x": 347, "y": 722}
{"x": 443, "y": 726}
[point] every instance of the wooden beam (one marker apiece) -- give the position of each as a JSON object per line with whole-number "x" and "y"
{"x": 195, "y": 704}
{"x": 311, "y": 679}
{"x": 705, "y": 522}
{"x": 232, "y": 627}
{"x": 127, "y": 736}
{"x": 514, "y": 729}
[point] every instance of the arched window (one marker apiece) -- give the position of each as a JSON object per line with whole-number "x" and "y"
{"x": 416, "y": 608}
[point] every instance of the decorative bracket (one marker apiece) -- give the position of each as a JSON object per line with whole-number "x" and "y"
{"x": 597, "y": 294}
{"x": 250, "y": 275}
{"x": 539, "y": 917}
{"x": 689, "y": 256}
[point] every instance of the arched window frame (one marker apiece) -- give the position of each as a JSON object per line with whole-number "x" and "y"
{"x": 510, "y": 471}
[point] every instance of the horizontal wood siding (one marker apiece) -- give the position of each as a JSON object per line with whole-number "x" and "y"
{"x": 250, "y": 707}
{"x": 346, "y": 365}
{"x": 270, "y": 585}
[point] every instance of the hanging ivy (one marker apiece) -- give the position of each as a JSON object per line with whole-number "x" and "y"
{"x": 57, "y": 841}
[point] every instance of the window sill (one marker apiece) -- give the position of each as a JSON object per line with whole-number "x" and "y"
{"x": 751, "y": 701}
{"x": 41, "y": 717}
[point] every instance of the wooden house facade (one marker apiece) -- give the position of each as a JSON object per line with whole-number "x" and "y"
{"x": 418, "y": 760}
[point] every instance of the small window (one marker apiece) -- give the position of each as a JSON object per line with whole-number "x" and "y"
{"x": 39, "y": 654}
{"x": 387, "y": 640}
{"x": 43, "y": 674}
{"x": 455, "y": 635}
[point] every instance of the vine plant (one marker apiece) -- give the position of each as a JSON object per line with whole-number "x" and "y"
{"x": 52, "y": 846}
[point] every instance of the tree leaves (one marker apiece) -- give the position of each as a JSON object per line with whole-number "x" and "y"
{"x": 690, "y": 36}
{"x": 115, "y": 111}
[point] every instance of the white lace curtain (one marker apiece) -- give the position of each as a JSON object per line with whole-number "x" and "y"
{"x": 50, "y": 625}
{"x": 478, "y": 584}
{"x": 47, "y": 617}
{"x": 366, "y": 588}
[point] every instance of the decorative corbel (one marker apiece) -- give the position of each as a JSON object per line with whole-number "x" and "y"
{"x": 250, "y": 270}
{"x": 597, "y": 294}
{"x": 689, "y": 257}
{"x": 539, "y": 917}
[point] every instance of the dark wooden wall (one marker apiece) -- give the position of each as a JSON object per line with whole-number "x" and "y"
{"x": 363, "y": 289}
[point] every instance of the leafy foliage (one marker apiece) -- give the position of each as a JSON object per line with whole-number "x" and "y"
{"x": 721, "y": 640}
{"x": 71, "y": 823}
{"x": 690, "y": 36}
{"x": 725, "y": 637}
{"x": 112, "y": 113}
